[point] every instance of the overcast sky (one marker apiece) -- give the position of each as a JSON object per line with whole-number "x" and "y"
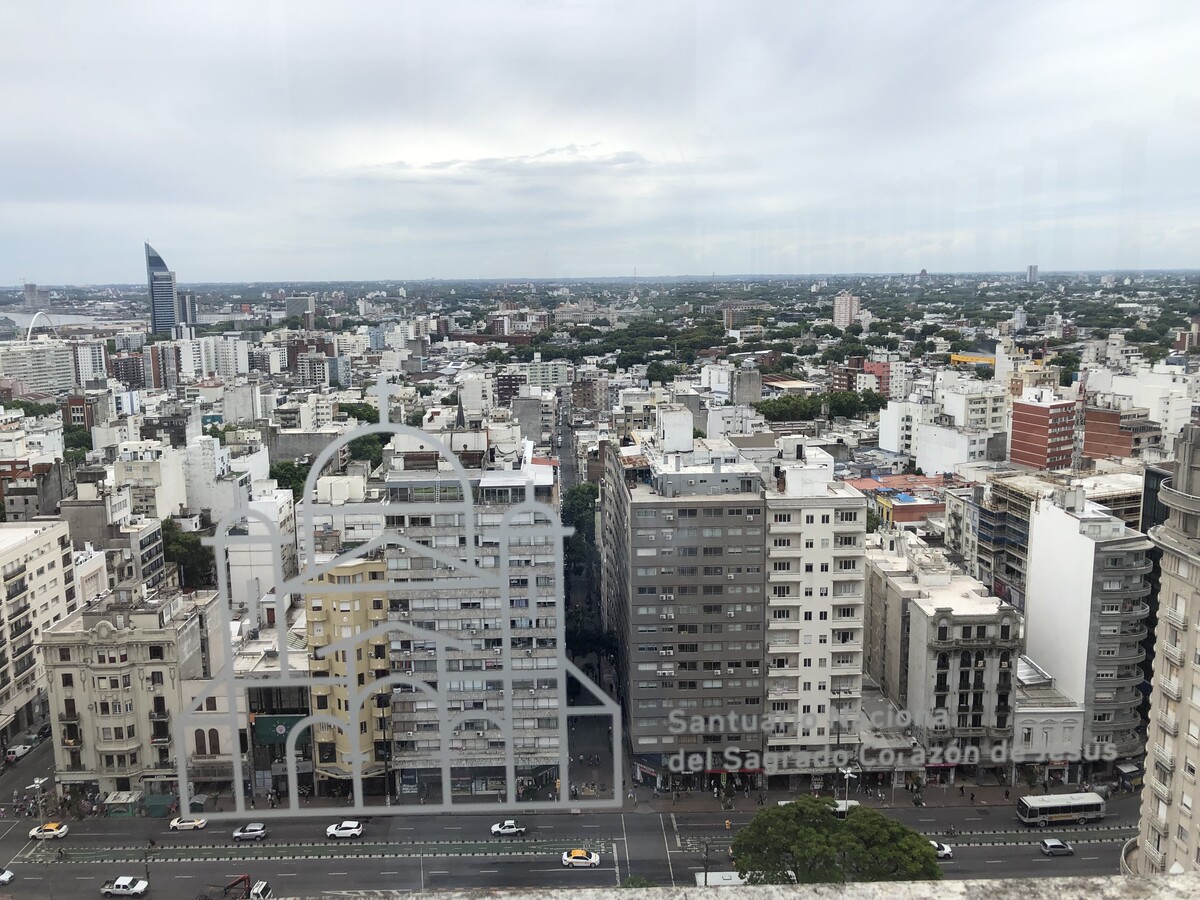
{"x": 296, "y": 140}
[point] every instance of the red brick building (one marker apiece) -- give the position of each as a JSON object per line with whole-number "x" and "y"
{"x": 1043, "y": 431}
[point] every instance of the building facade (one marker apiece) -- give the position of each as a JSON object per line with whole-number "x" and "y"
{"x": 1169, "y": 840}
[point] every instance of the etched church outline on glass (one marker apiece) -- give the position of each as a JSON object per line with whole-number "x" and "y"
{"x": 511, "y": 772}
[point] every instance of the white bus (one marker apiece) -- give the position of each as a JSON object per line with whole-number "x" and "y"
{"x": 1079, "y": 808}
{"x": 720, "y": 879}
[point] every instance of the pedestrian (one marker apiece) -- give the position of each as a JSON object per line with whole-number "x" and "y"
{"x": 972, "y": 798}
{"x": 1006, "y": 794}
{"x": 961, "y": 790}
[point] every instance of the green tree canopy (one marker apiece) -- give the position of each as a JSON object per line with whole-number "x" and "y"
{"x": 805, "y": 843}
{"x": 290, "y": 477}
{"x": 195, "y": 560}
{"x": 364, "y": 412}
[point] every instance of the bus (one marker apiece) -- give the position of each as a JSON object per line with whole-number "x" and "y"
{"x": 1041, "y": 811}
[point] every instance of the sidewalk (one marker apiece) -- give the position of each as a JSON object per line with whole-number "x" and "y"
{"x": 933, "y": 797}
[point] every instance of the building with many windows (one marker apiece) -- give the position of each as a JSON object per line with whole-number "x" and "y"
{"x": 1169, "y": 840}
{"x": 38, "y": 572}
{"x": 115, "y": 671}
{"x": 815, "y": 530}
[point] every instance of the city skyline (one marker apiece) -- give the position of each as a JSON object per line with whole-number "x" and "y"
{"x": 560, "y": 140}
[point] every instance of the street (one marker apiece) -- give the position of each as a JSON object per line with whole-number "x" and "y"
{"x": 414, "y": 853}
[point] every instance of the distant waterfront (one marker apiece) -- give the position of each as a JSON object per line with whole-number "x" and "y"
{"x": 23, "y": 318}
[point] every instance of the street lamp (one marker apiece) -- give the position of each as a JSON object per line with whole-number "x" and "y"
{"x": 848, "y": 774}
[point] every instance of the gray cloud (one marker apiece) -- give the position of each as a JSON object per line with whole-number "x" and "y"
{"x": 374, "y": 139}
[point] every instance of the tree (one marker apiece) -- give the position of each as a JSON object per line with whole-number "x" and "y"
{"x": 32, "y": 410}
{"x": 364, "y": 412}
{"x": 185, "y": 549}
{"x": 77, "y": 437}
{"x": 369, "y": 447}
{"x": 290, "y": 476}
{"x": 661, "y": 372}
{"x": 805, "y": 843}
{"x": 415, "y": 418}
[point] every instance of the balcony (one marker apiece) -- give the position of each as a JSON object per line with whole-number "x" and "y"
{"x": 317, "y": 615}
{"x": 1168, "y": 723}
{"x": 19, "y": 570}
{"x": 1172, "y": 615}
{"x": 1164, "y": 757}
{"x": 160, "y": 715}
{"x": 1139, "y": 611}
{"x": 1161, "y": 791}
{"x": 1187, "y": 503}
{"x": 73, "y": 743}
{"x": 1155, "y": 857}
{"x": 1158, "y": 823}
{"x": 1170, "y": 687}
{"x": 17, "y": 630}
{"x": 160, "y": 740}
{"x": 68, "y": 716}
{"x": 1173, "y": 652}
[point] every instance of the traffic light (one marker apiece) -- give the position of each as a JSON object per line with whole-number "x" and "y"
{"x": 728, "y": 824}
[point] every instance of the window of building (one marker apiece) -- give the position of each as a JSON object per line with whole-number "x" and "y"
{"x": 68, "y": 680}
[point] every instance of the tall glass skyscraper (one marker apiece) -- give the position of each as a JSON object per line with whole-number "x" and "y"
{"x": 164, "y": 299}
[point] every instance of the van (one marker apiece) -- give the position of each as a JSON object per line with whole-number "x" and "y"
{"x": 260, "y": 891}
{"x": 843, "y": 807}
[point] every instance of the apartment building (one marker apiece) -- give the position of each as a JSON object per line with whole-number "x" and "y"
{"x": 153, "y": 472}
{"x": 38, "y": 572}
{"x": 845, "y": 310}
{"x": 682, "y": 562}
{"x": 115, "y": 670}
{"x": 390, "y": 612}
{"x": 987, "y": 526}
{"x": 1085, "y": 609}
{"x": 944, "y": 649}
{"x": 1169, "y": 840}
{"x": 815, "y": 531}
{"x": 1043, "y": 431}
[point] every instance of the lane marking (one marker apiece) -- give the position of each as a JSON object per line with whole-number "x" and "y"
{"x": 488, "y": 871}
{"x": 667, "y": 846}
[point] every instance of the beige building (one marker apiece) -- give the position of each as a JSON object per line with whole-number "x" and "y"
{"x": 37, "y": 567}
{"x": 1169, "y": 839}
{"x": 944, "y": 649}
{"x": 115, "y": 672}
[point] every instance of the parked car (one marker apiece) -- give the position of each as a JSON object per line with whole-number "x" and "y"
{"x": 508, "y": 827}
{"x": 187, "y": 823}
{"x": 17, "y": 752}
{"x": 255, "y": 831}
{"x": 49, "y": 830}
{"x": 581, "y": 858}
{"x": 346, "y": 829}
{"x": 1055, "y": 847}
{"x": 45, "y": 731}
{"x": 943, "y": 851}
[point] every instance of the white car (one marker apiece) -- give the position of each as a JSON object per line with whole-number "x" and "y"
{"x": 943, "y": 851}
{"x": 49, "y": 830}
{"x": 255, "y": 831}
{"x": 126, "y": 886}
{"x": 508, "y": 827}
{"x": 6, "y": 876}
{"x": 186, "y": 824}
{"x": 581, "y": 859}
{"x": 344, "y": 830}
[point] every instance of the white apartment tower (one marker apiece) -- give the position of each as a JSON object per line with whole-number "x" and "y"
{"x": 815, "y": 594}
{"x": 845, "y": 310}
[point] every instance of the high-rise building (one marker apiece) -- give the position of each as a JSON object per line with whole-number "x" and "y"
{"x": 1085, "y": 609}
{"x": 1169, "y": 842}
{"x": 37, "y": 567}
{"x": 734, "y": 598}
{"x": 1031, "y": 274}
{"x": 167, "y": 307}
{"x": 845, "y": 309}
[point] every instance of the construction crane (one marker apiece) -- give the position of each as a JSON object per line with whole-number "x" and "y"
{"x": 1080, "y": 422}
